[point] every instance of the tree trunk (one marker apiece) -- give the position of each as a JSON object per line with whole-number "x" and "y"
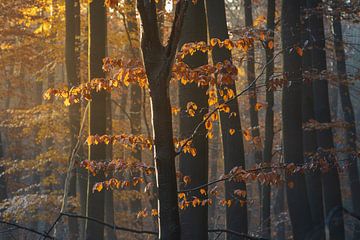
{"x": 331, "y": 183}
{"x": 269, "y": 122}
{"x": 72, "y": 62}
{"x": 349, "y": 117}
{"x": 194, "y": 222}
{"x": 299, "y": 209}
{"x": 97, "y": 49}
{"x": 250, "y": 71}
{"x": 236, "y": 215}
{"x": 313, "y": 178}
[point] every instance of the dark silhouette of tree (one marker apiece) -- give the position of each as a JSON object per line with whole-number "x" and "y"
{"x": 299, "y": 209}
{"x": 233, "y": 146}
{"x": 194, "y": 221}
{"x": 330, "y": 179}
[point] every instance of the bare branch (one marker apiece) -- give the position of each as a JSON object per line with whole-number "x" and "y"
{"x": 45, "y": 235}
{"x": 244, "y": 236}
{"x": 175, "y": 35}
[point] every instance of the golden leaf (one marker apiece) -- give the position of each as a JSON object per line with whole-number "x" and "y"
{"x": 232, "y": 131}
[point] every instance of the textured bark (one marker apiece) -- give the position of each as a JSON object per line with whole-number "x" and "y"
{"x": 72, "y": 63}
{"x": 299, "y": 209}
{"x": 250, "y": 71}
{"x": 269, "y": 122}
{"x": 330, "y": 179}
{"x": 236, "y": 216}
{"x": 313, "y": 178}
{"x": 349, "y": 117}
{"x": 97, "y": 49}
{"x": 194, "y": 222}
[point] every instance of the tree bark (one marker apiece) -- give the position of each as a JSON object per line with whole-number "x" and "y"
{"x": 233, "y": 146}
{"x": 349, "y": 117}
{"x": 97, "y": 49}
{"x": 299, "y": 209}
{"x": 194, "y": 222}
{"x": 72, "y": 62}
{"x": 331, "y": 183}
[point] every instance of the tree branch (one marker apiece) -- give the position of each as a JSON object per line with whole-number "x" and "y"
{"x": 147, "y": 11}
{"x": 45, "y": 235}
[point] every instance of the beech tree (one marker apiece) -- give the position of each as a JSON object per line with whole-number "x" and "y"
{"x": 299, "y": 208}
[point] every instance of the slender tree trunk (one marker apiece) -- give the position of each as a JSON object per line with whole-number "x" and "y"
{"x": 269, "y": 122}
{"x": 279, "y": 209}
{"x": 72, "y": 62}
{"x": 313, "y": 178}
{"x": 349, "y": 117}
{"x": 331, "y": 182}
{"x": 97, "y": 49}
{"x": 236, "y": 215}
{"x": 250, "y": 71}
{"x": 194, "y": 222}
{"x": 299, "y": 209}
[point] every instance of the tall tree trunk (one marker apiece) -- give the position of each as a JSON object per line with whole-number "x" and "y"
{"x": 269, "y": 121}
{"x": 236, "y": 215}
{"x": 299, "y": 208}
{"x": 72, "y": 62}
{"x": 250, "y": 71}
{"x": 158, "y": 61}
{"x": 135, "y": 98}
{"x": 331, "y": 183}
{"x": 194, "y": 222}
{"x": 349, "y": 117}
{"x": 97, "y": 49}
{"x": 313, "y": 178}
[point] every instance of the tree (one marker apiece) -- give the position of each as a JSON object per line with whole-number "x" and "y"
{"x": 348, "y": 110}
{"x": 233, "y": 146}
{"x": 269, "y": 119}
{"x": 299, "y": 209}
{"x": 97, "y": 49}
{"x": 250, "y": 71}
{"x": 313, "y": 178}
{"x": 194, "y": 222}
{"x": 330, "y": 178}
{"x": 158, "y": 61}
{"x": 72, "y": 62}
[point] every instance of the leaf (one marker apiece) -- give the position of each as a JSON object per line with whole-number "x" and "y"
{"x": 186, "y": 180}
{"x": 299, "y": 51}
{"x": 181, "y": 195}
{"x": 208, "y": 125}
{"x": 214, "y": 41}
{"x": 232, "y": 131}
{"x": 247, "y": 135}
{"x": 258, "y": 106}
{"x": 203, "y": 191}
{"x": 154, "y": 212}
{"x": 271, "y": 44}
{"x": 98, "y": 187}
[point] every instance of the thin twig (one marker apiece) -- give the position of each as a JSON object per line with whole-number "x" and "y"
{"x": 46, "y": 236}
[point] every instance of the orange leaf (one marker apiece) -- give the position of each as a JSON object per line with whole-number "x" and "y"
{"x": 187, "y": 179}
{"x": 247, "y": 135}
{"x": 299, "y": 51}
{"x": 271, "y": 45}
